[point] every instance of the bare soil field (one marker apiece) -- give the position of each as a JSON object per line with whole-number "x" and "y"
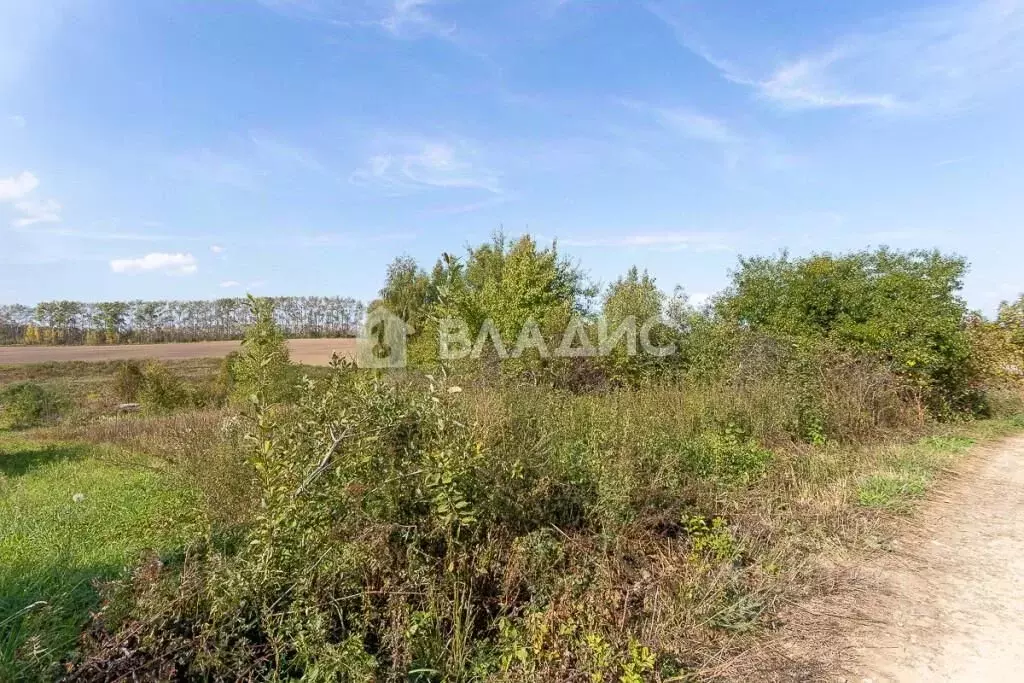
{"x": 308, "y": 351}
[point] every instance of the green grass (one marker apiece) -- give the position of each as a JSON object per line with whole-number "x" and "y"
{"x": 70, "y": 515}
{"x": 906, "y": 477}
{"x": 893, "y": 490}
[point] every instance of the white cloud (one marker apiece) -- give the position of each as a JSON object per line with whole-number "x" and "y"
{"x": 36, "y": 211}
{"x": 16, "y": 187}
{"x": 227, "y": 284}
{"x": 808, "y": 83}
{"x": 170, "y": 264}
{"x": 216, "y": 249}
{"x": 17, "y": 121}
{"x": 927, "y": 61}
{"x": 418, "y": 163}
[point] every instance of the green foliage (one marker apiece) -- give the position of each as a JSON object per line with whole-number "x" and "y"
{"x": 635, "y": 300}
{"x": 634, "y": 295}
{"x": 29, "y": 404}
{"x": 730, "y": 457}
{"x": 69, "y": 518}
{"x": 892, "y": 490}
{"x": 408, "y": 291}
{"x": 263, "y": 366}
{"x": 1011, "y": 319}
{"x": 712, "y": 540}
{"x": 161, "y": 390}
{"x": 517, "y": 286}
{"x": 128, "y": 381}
{"x": 901, "y": 307}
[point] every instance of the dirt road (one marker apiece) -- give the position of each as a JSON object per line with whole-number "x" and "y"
{"x": 951, "y": 604}
{"x": 309, "y": 351}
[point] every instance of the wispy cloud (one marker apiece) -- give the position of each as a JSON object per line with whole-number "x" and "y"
{"x": 418, "y": 163}
{"x": 931, "y": 60}
{"x": 690, "y": 123}
{"x": 16, "y": 187}
{"x": 736, "y": 147}
{"x": 37, "y": 211}
{"x": 17, "y": 121}
{"x": 274, "y": 149}
{"x": 413, "y": 17}
{"x": 157, "y": 262}
{"x": 699, "y": 241}
{"x": 398, "y": 18}
{"x": 30, "y": 211}
{"x": 228, "y": 284}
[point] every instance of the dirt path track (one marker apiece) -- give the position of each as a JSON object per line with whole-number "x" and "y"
{"x": 945, "y": 603}
{"x": 309, "y": 351}
{"x": 951, "y": 604}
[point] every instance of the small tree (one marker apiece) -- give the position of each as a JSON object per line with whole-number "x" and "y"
{"x": 262, "y": 371}
{"x": 408, "y": 291}
{"x": 635, "y": 300}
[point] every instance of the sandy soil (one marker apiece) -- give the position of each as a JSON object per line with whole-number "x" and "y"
{"x": 309, "y": 351}
{"x": 953, "y": 607}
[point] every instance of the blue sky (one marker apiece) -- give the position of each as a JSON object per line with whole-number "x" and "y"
{"x": 197, "y": 149}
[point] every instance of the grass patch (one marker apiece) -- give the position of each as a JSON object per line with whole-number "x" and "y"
{"x": 69, "y": 516}
{"x": 892, "y": 490}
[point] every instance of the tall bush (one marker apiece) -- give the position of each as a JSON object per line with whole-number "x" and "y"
{"x": 903, "y": 308}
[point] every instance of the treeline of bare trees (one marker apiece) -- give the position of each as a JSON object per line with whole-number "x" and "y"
{"x": 121, "y": 322}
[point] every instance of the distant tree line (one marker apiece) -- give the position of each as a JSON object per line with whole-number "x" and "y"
{"x": 125, "y": 322}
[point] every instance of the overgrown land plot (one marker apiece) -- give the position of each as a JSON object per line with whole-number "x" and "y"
{"x": 494, "y": 516}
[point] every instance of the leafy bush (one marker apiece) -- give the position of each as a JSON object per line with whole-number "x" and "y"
{"x": 28, "y": 404}
{"x": 128, "y": 381}
{"x": 901, "y": 307}
{"x": 161, "y": 390}
{"x": 404, "y": 527}
{"x": 262, "y": 366}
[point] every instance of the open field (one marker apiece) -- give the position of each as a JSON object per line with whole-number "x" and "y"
{"x": 515, "y": 517}
{"x": 308, "y": 351}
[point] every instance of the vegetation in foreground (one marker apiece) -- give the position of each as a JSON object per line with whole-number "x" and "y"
{"x": 613, "y": 518}
{"x": 70, "y": 515}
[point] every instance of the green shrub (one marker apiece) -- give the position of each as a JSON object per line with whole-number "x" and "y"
{"x": 128, "y": 381}
{"x": 161, "y": 390}
{"x": 28, "y": 404}
{"x": 903, "y": 308}
{"x": 262, "y": 367}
